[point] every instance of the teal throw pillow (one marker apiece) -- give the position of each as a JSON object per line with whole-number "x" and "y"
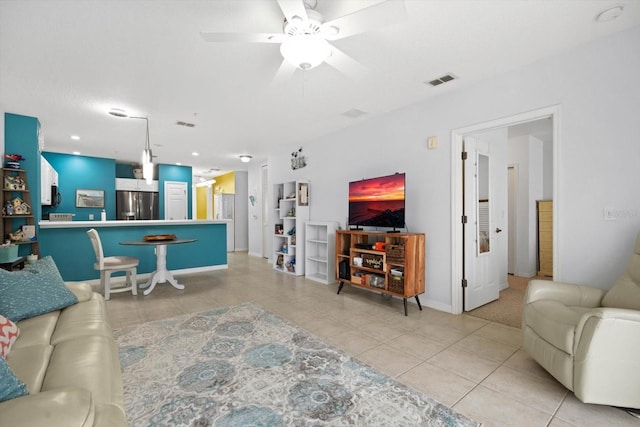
{"x": 10, "y": 386}
{"x": 36, "y": 290}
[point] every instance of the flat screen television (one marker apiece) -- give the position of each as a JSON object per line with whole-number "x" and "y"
{"x": 377, "y": 202}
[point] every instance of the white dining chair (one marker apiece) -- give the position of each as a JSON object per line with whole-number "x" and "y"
{"x": 111, "y": 264}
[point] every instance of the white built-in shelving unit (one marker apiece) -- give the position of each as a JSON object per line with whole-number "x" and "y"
{"x": 291, "y": 211}
{"x": 319, "y": 251}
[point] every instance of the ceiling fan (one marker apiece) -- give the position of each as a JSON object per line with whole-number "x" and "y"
{"x": 304, "y": 41}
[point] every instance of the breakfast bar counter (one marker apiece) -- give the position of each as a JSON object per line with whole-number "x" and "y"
{"x": 67, "y": 242}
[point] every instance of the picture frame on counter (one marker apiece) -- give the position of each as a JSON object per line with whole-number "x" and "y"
{"x": 89, "y": 198}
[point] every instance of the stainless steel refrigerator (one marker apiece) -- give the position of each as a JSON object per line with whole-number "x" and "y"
{"x": 134, "y": 205}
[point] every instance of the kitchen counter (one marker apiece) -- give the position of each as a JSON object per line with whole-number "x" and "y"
{"x": 95, "y": 224}
{"x": 67, "y": 242}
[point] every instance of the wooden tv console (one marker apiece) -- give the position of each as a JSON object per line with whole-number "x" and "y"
{"x": 389, "y": 263}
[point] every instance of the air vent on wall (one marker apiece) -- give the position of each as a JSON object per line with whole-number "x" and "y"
{"x": 186, "y": 124}
{"x": 440, "y": 80}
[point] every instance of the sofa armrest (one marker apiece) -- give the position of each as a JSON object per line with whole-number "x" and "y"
{"x": 81, "y": 290}
{"x": 69, "y": 407}
{"x": 606, "y": 363}
{"x": 564, "y": 293}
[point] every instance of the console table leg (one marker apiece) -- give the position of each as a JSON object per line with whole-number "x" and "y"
{"x": 418, "y": 301}
{"x": 340, "y": 286}
{"x": 405, "y": 306}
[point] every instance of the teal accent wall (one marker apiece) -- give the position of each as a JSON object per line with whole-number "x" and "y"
{"x": 82, "y": 172}
{"x": 123, "y": 170}
{"x": 21, "y": 137}
{"x": 178, "y": 174}
{"x": 71, "y": 248}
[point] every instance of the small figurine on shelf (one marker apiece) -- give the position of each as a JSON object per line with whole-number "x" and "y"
{"x": 18, "y": 236}
{"x": 291, "y": 265}
{"x": 8, "y": 209}
{"x": 14, "y": 183}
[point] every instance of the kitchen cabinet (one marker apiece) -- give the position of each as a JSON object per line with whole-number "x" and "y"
{"x": 128, "y": 184}
{"x": 48, "y": 180}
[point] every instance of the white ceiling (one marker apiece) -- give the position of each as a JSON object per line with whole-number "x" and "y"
{"x": 68, "y": 62}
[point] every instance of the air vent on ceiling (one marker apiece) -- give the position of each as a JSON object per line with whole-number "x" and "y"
{"x": 354, "y": 113}
{"x": 440, "y": 80}
{"x": 186, "y": 124}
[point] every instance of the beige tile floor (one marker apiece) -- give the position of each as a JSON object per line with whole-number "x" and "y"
{"x": 472, "y": 365}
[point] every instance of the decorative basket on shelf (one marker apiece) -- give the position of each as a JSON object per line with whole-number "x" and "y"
{"x": 395, "y": 253}
{"x": 396, "y": 284}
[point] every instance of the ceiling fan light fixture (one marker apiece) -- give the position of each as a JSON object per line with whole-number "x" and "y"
{"x": 305, "y": 51}
{"x": 118, "y": 112}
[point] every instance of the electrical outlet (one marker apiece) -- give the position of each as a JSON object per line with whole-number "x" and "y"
{"x": 609, "y": 214}
{"x": 90, "y": 217}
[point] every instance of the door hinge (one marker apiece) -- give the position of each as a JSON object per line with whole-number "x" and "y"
{"x": 464, "y": 219}
{"x": 464, "y": 155}
{"x": 464, "y": 283}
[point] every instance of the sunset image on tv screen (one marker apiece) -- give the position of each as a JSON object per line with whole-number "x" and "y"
{"x": 378, "y": 201}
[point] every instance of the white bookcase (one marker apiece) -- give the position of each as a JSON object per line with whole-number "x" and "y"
{"x": 291, "y": 211}
{"x": 319, "y": 251}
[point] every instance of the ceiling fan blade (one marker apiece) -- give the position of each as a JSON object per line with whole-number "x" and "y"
{"x": 284, "y": 73}
{"x": 346, "y": 64}
{"x": 377, "y": 16}
{"x": 243, "y": 37}
{"x": 291, "y": 8}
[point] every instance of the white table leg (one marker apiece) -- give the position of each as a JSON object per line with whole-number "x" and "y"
{"x": 161, "y": 275}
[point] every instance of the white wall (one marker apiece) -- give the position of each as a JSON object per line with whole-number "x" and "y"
{"x": 597, "y": 158}
{"x": 241, "y": 213}
{"x": 547, "y": 170}
{"x": 527, "y": 152}
{"x": 255, "y": 210}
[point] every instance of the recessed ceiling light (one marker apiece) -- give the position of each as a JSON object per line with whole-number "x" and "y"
{"x": 77, "y": 153}
{"x": 245, "y": 158}
{"x": 610, "y": 14}
{"x": 75, "y": 137}
{"x": 178, "y": 164}
{"x": 117, "y": 112}
{"x": 195, "y": 153}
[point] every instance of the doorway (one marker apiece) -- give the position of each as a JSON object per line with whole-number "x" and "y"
{"x": 552, "y": 114}
{"x": 175, "y": 200}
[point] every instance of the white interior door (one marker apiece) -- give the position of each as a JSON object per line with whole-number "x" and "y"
{"x": 175, "y": 200}
{"x": 485, "y": 211}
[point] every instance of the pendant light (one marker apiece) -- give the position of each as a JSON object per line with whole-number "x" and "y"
{"x": 147, "y": 156}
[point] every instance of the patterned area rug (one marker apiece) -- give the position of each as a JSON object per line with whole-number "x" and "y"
{"x": 243, "y": 366}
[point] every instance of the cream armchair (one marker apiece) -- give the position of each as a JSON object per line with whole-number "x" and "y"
{"x": 587, "y": 338}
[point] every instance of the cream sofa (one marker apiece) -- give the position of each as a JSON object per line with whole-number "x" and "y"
{"x": 69, "y": 361}
{"x": 587, "y": 338}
